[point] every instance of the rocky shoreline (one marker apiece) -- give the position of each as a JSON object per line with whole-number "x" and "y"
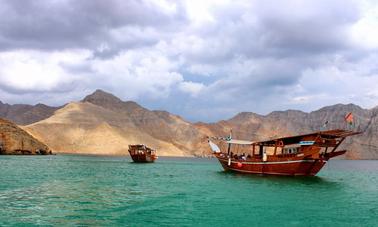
{"x": 16, "y": 141}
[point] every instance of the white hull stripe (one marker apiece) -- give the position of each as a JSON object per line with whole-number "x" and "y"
{"x": 270, "y": 163}
{"x": 261, "y": 172}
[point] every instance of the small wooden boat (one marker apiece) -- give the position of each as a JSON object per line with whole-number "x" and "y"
{"x": 140, "y": 153}
{"x": 302, "y": 155}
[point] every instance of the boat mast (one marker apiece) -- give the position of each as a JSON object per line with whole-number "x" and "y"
{"x": 229, "y": 145}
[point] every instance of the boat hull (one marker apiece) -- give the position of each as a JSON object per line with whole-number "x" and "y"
{"x": 143, "y": 158}
{"x": 308, "y": 167}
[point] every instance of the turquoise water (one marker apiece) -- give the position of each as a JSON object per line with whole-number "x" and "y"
{"x": 107, "y": 191}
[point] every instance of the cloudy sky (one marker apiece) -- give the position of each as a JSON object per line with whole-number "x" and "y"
{"x": 205, "y": 60}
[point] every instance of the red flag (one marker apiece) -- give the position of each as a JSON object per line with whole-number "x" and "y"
{"x": 349, "y": 118}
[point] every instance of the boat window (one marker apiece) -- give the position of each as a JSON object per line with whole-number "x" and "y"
{"x": 292, "y": 150}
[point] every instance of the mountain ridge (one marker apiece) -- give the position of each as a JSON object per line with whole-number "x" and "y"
{"x": 102, "y": 114}
{"x": 24, "y": 114}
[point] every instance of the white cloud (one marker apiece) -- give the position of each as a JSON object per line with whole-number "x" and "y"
{"x": 138, "y": 73}
{"x": 168, "y": 7}
{"x": 24, "y": 71}
{"x": 203, "y": 69}
{"x": 132, "y": 35}
{"x": 200, "y": 11}
{"x": 191, "y": 88}
{"x": 340, "y": 83}
{"x": 365, "y": 33}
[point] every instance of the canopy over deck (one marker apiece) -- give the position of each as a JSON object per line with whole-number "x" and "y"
{"x": 328, "y": 135}
{"x": 240, "y": 142}
{"x": 140, "y": 147}
{"x": 232, "y": 141}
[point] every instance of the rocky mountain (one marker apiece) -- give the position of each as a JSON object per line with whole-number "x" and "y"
{"x": 251, "y": 126}
{"x": 14, "y": 140}
{"x": 26, "y": 114}
{"x": 158, "y": 124}
{"x": 104, "y": 124}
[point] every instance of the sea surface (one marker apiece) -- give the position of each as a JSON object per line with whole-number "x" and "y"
{"x": 73, "y": 190}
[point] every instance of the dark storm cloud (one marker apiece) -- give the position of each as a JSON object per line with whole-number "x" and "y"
{"x": 306, "y": 26}
{"x": 268, "y": 29}
{"x": 75, "y": 24}
{"x": 263, "y": 49}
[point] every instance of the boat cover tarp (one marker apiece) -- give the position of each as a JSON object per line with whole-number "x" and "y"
{"x": 240, "y": 142}
{"x": 330, "y": 134}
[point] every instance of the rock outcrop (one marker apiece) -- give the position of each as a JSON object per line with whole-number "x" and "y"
{"x": 15, "y": 141}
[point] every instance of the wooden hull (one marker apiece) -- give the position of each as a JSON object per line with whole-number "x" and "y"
{"x": 308, "y": 167}
{"x": 143, "y": 158}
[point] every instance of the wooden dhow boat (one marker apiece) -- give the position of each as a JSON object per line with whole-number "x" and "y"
{"x": 140, "y": 153}
{"x": 300, "y": 155}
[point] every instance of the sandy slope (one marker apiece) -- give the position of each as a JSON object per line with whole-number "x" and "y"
{"x": 86, "y": 128}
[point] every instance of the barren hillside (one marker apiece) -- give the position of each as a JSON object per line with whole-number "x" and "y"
{"x": 104, "y": 124}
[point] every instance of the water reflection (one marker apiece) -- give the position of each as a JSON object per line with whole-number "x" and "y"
{"x": 292, "y": 180}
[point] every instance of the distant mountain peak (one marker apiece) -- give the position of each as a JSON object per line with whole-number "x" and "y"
{"x": 245, "y": 115}
{"x": 110, "y": 101}
{"x": 340, "y": 107}
{"x": 101, "y": 97}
